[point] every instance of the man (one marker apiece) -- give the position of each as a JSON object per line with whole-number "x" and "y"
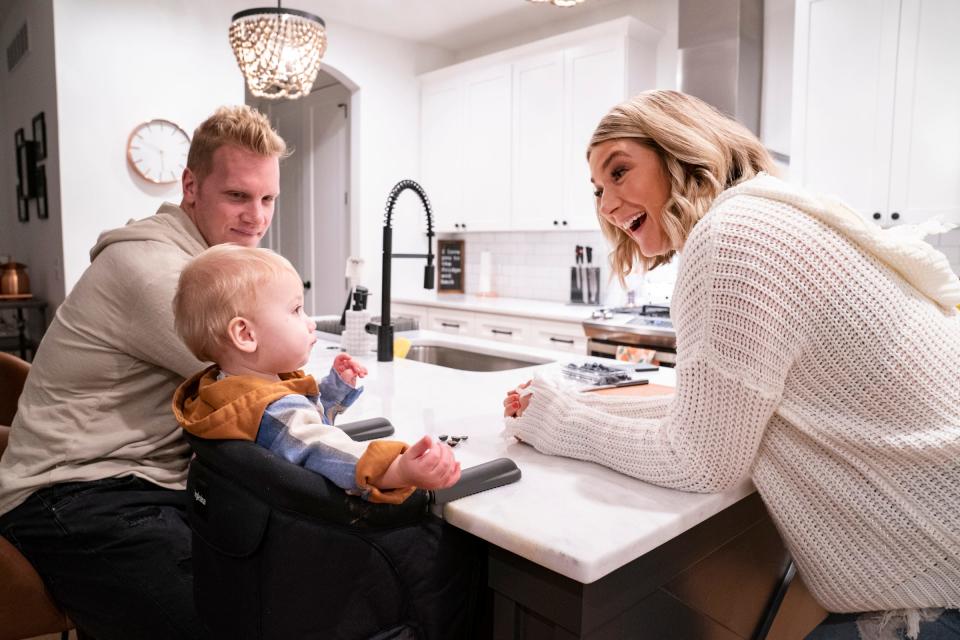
{"x": 92, "y": 482}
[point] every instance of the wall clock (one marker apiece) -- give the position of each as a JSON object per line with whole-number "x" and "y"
{"x": 157, "y": 151}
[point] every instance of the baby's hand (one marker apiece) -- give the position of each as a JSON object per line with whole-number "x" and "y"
{"x": 517, "y": 400}
{"x": 428, "y": 464}
{"x": 349, "y": 369}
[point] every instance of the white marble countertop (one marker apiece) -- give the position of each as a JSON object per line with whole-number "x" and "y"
{"x": 542, "y": 309}
{"x": 576, "y": 518}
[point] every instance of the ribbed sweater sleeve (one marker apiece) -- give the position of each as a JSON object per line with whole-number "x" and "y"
{"x": 734, "y": 351}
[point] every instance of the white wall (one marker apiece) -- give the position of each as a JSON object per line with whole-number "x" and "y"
{"x": 171, "y": 59}
{"x": 775, "y": 99}
{"x": 25, "y": 91}
{"x": 118, "y": 64}
{"x": 385, "y": 142}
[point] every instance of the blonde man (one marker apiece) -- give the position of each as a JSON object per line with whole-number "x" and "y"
{"x": 242, "y": 308}
{"x": 92, "y": 482}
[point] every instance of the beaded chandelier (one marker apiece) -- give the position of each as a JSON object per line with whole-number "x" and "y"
{"x": 278, "y": 50}
{"x": 560, "y": 3}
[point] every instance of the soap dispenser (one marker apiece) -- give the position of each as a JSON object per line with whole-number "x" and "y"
{"x": 355, "y": 339}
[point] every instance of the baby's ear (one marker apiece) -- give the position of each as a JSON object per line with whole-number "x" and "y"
{"x": 241, "y": 335}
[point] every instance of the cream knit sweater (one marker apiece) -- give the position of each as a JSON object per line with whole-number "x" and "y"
{"x": 807, "y": 362}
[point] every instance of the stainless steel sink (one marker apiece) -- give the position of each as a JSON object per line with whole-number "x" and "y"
{"x": 464, "y": 360}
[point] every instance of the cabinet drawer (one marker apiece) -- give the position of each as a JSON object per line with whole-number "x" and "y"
{"x": 503, "y": 328}
{"x": 560, "y": 336}
{"x": 449, "y": 321}
{"x": 415, "y": 311}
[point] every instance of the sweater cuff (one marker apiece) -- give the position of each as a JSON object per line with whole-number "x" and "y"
{"x": 373, "y": 464}
{"x": 541, "y": 419}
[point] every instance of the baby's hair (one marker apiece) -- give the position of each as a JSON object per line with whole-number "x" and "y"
{"x": 215, "y": 287}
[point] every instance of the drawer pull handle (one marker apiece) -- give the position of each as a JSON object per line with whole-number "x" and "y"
{"x": 450, "y": 325}
{"x": 552, "y": 339}
{"x": 501, "y": 332}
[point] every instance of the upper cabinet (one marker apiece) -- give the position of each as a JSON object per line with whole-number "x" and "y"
{"x": 504, "y": 138}
{"x": 875, "y": 103}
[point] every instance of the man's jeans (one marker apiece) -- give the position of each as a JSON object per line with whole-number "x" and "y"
{"x": 114, "y": 554}
{"x": 843, "y": 626}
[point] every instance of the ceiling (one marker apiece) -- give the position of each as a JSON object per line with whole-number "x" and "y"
{"x": 454, "y": 25}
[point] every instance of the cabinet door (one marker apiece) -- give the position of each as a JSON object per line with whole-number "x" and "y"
{"x": 925, "y": 164}
{"x": 844, "y": 75}
{"x": 503, "y": 328}
{"x": 595, "y": 79}
{"x": 560, "y": 336}
{"x": 441, "y": 126}
{"x": 415, "y": 311}
{"x": 449, "y": 321}
{"x": 486, "y": 150}
{"x": 538, "y": 142}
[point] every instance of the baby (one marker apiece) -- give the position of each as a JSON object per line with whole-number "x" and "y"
{"x": 242, "y": 308}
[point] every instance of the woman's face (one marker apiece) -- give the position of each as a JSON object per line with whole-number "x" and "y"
{"x": 632, "y": 188}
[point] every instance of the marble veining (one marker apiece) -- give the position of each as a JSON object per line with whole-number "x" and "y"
{"x": 576, "y": 518}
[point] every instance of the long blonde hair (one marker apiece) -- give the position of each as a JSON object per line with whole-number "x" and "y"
{"x": 703, "y": 152}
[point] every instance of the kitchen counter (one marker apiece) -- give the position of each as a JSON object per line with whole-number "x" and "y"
{"x": 522, "y": 307}
{"x": 578, "y": 519}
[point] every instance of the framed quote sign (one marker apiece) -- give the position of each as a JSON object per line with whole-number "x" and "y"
{"x": 450, "y": 267}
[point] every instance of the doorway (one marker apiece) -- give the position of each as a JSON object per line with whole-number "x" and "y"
{"x": 311, "y": 224}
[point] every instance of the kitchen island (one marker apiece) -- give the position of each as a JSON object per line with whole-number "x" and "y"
{"x": 576, "y": 549}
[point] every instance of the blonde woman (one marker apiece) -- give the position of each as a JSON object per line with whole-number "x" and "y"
{"x": 816, "y": 354}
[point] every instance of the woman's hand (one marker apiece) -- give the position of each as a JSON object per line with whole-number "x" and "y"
{"x": 517, "y": 400}
{"x": 348, "y": 369}
{"x": 428, "y": 464}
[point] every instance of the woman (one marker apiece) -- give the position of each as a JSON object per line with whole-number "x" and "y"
{"x": 815, "y": 354}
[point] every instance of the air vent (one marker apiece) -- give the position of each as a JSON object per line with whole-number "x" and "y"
{"x": 18, "y": 47}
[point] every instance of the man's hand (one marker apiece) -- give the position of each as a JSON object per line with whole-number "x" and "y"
{"x": 428, "y": 464}
{"x": 517, "y": 400}
{"x": 349, "y": 369}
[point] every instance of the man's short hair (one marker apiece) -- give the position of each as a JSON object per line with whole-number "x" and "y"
{"x": 217, "y": 286}
{"x": 241, "y": 126}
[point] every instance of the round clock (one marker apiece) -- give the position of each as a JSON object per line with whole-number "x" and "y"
{"x": 157, "y": 151}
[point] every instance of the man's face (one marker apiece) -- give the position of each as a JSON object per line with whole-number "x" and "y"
{"x": 234, "y": 203}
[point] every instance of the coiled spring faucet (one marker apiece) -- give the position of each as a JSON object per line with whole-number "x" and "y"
{"x": 385, "y": 330}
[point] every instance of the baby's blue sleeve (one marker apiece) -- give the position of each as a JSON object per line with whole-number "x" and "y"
{"x": 336, "y": 395}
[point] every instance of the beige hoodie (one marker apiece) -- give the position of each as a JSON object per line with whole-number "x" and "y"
{"x": 97, "y": 401}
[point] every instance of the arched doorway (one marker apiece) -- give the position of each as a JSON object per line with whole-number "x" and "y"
{"x": 312, "y": 222}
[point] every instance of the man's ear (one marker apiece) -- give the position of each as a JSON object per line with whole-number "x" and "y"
{"x": 190, "y": 186}
{"x": 241, "y": 334}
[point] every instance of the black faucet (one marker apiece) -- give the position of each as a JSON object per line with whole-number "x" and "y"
{"x": 385, "y": 330}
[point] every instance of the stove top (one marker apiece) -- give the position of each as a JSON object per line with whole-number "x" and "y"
{"x": 645, "y": 315}
{"x": 643, "y": 324}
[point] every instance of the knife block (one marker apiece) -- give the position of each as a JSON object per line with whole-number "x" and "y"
{"x": 576, "y": 284}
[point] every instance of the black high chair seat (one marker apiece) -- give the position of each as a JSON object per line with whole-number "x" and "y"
{"x": 281, "y": 552}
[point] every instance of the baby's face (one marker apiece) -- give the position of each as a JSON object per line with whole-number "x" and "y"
{"x": 285, "y": 335}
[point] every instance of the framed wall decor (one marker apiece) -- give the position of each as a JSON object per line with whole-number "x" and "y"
{"x": 42, "y": 211}
{"x": 23, "y": 207}
{"x": 27, "y": 168}
{"x": 450, "y": 276}
{"x": 40, "y": 135}
{"x": 18, "y": 137}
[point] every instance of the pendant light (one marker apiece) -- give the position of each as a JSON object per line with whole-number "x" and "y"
{"x": 278, "y": 50}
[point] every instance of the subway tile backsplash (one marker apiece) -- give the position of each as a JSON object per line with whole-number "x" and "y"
{"x": 531, "y": 265}
{"x": 536, "y": 266}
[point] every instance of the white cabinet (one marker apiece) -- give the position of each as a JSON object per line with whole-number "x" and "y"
{"x": 502, "y": 328}
{"x": 538, "y": 143}
{"x": 441, "y": 125}
{"x": 503, "y": 138}
{"x": 485, "y": 143}
{"x": 559, "y": 336}
{"x": 525, "y": 331}
{"x": 450, "y": 321}
{"x": 876, "y": 98}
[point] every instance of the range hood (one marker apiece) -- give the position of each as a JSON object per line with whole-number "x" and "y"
{"x": 721, "y": 55}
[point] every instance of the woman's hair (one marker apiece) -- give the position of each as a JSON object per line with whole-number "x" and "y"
{"x": 215, "y": 287}
{"x": 241, "y": 126}
{"x": 702, "y": 151}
